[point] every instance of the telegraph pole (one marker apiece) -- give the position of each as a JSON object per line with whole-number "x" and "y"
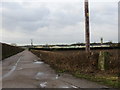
{"x": 87, "y": 34}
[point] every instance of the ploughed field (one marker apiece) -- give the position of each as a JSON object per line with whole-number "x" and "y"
{"x": 83, "y": 65}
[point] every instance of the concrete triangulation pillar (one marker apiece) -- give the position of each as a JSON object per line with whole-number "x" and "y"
{"x": 103, "y": 60}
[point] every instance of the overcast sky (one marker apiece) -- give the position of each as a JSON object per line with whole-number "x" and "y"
{"x": 57, "y": 22}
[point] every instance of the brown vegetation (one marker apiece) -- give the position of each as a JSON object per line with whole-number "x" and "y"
{"x": 8, "y": 50}
{"x": 79, "y": 61}
{"x": 82, "y": 65}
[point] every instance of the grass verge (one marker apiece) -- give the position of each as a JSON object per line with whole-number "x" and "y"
{"x": 109, "y": 81}
{"x": 81, "y": 65}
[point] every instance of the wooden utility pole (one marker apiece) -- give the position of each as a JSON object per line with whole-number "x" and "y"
{"x": 87, "y": 34}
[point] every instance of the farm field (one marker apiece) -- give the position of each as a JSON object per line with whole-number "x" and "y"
{"x": 82, "y": 65}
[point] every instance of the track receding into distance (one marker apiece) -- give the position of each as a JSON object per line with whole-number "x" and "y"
{"x": 25, "y": 70}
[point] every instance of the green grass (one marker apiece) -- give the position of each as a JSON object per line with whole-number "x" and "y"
{"x": 109, "y": 81}
{"x": 60, "y": 71}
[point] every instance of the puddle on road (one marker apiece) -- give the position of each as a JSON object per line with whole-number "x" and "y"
{"x": 38, "y": 75}
{"x": 10, "y": 72}
{"x": 68, "y": 86}
{"x": 43, "y": 85}
{"x": 74, "y": 87}
{"x": 20, "y": 69}
{"x": 38, "y": 62}
{"x": 64, "y": 87}
{"x": 42, "y": 75}
{"x": 12, "y": 69}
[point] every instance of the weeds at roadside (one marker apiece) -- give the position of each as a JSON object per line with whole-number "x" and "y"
{"x": 79, "y": 65}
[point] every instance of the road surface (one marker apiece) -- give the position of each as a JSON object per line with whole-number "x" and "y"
{"x": 25, "y": 70}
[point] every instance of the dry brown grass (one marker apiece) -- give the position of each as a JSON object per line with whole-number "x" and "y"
{"x": 79, "y": 61}
{"x": 8, "y": 50}
{"x": 82, "y": 65}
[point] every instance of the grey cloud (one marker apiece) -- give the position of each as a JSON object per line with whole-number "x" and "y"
{"x": 11, "y": 5}
{"x": 32, "y": 19}
{"x": 28, "y": 19}
{"x": 66, "y": 15}
{"x": 107, "y": 14}
{"x": 61, "y": 25}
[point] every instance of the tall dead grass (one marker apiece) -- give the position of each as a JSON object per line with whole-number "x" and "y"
{"x": 78, "y": 61}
